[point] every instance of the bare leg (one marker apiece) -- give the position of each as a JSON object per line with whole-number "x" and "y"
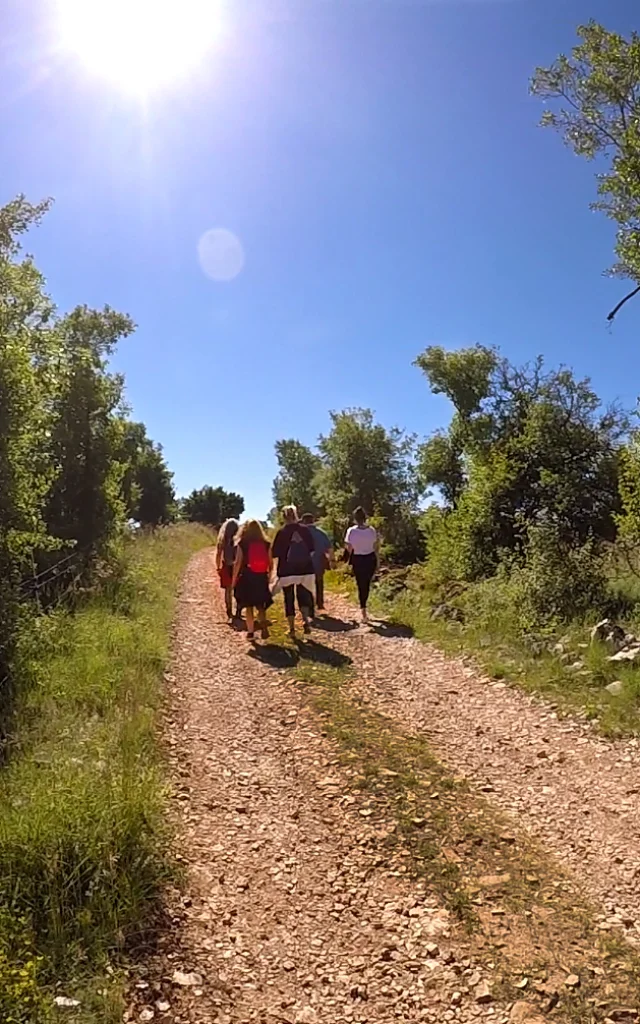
{"x": 250, "y": 622}
{"x": 305, "y": 603}
{"x": 262, "y": 622}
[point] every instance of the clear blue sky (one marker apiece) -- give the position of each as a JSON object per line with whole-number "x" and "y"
{"x": 380, "y": 163}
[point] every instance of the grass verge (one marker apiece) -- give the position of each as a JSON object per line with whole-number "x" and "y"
{"x": 82, "y": 841}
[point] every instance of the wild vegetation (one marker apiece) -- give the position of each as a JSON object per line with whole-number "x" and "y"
{"x": 85, "y": 611}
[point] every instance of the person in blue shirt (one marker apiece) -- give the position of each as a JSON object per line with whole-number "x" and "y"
{"x": 322, "y": 556}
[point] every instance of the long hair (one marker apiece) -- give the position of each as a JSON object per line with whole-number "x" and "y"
{"x": 360, "y": 515}
{"x": 252, "y": 530}
{"x": 227, "y": 532}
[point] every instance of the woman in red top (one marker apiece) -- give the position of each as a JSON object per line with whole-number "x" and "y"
{"x": 251, "y": 573}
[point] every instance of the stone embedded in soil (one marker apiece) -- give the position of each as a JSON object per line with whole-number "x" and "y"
{"x": 483, "y": 993}
{"x": 523, "y": 1011}
{"x": 186, "y": 979}
{"x": 494, "y": 881}
{"x": 615, "y": 688}
{"x": 628, "y": 654}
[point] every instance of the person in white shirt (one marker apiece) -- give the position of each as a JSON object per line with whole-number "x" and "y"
{"x": 362, "y": 545}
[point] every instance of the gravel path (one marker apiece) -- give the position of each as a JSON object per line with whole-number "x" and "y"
{"x": 292, "y": 914}
{"x": 577, "y": 793}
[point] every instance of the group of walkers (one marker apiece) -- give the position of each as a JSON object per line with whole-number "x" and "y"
{"x": 301, "y": 553}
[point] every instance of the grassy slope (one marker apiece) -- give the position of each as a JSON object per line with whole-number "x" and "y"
{"x": 82, "y": 845}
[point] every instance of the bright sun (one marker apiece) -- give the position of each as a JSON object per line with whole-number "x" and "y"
{"x": 139, "y": 44}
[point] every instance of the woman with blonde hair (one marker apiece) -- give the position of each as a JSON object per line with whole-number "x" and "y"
{"x": 251, "y": 572}
{"x": 225, "y": 558}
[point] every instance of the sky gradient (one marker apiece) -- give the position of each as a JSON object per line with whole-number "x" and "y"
{"x": 381, "y": 166}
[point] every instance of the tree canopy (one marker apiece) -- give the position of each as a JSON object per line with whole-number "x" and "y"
{"x": 212, "y": 505}
{"x": 525, "y": 446}
{"x": 595, "y": 105}
{"x": 295, "y": 484}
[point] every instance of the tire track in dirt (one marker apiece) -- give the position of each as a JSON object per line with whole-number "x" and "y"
{"x": 292, "y": 914}
{"x": 577, "y": 793}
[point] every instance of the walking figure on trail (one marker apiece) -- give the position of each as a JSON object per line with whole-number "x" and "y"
{"x": 251, "y": 573}
{"x": 362, "y": 545}
{"x": 225, "y": 557}
{"x": 292, "y": 549}
{"x": 322, "y": 556}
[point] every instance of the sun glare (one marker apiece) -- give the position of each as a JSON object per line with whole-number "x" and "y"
{"x": 139, "y": 44}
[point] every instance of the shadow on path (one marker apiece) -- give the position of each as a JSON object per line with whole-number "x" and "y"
{"x": 391, "y": 629}
{"x": 329, "y": 624}
{"x": 305, "y": 650}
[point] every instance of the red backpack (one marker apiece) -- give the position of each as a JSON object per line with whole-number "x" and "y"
{"x": 258, "y": 556}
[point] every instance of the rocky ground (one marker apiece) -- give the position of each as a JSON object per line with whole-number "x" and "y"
{"x": 578, "y": 793}
{"x": 295, "y": 911}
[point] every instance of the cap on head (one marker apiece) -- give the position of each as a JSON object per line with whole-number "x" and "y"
{"x": 308, "y": 519}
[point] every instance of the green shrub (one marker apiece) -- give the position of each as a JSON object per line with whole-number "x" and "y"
{"x": 558, "y": 581}
{"x": 83, "y": 844}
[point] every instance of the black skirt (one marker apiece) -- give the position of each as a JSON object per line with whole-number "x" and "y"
{"x": 252, "y": 590}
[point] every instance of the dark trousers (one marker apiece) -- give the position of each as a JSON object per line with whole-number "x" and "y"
{"x": 320, "y": 590}
{"x": 364, "y": 569}
{"x": 305, "y": 600}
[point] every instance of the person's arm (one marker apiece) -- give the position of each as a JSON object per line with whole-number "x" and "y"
{"x": 219, "y": 555}
{"x": 237, "y": 565}
{"x": 348, "y": 546}
{"x": 275, "y": 552}
{"x": 376, "y": 548}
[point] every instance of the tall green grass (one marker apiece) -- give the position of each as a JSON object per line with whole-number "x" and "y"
{"x": 82, "y": 835}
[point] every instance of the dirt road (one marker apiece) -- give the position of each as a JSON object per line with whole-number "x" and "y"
{"x": 292, "y": 914}
{"x": 295, "y": 909}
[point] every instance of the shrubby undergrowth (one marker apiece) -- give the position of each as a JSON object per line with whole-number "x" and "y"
{"x": 83, "y": 844}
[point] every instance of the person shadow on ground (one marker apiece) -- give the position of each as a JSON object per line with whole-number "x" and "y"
{"x": 305, "y": 650}
{"x": 329, "y": 624}
{"x": 391, "y": 629}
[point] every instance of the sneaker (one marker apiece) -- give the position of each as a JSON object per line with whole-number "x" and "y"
{"x": 250, "y": 636}
{"x": 264, "y": 633}
{"x": 306, "y": 628}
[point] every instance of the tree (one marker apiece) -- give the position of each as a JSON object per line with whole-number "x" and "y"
{"x": 62, "y": 460}
{"x": 597, "y": 92}
{"x": 528, "y": 447}
{"x": 84, "y": 506}
{"x": 440, "y": 465}
{"x": 295, "y": 483}
{"x": 212, "y": 505}
{"x": 147, "y": 487}
{"x": 25, "y": 471}
{"x": 365, "y": 464}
